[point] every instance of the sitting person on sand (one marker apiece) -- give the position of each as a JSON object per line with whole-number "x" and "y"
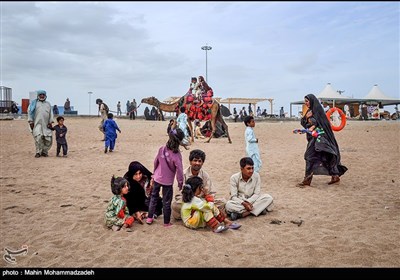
{"x": 198, "y": 133}
{"x": 196, "y": 159}
{"x": 196, "y": 212}
{"x": 246, "y": 197}
{"x": 140, "y": 186}
{"x": 117, "y": 213}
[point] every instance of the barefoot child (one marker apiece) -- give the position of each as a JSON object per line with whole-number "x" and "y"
{"x": 198, "y": 133}
{"x": 110, "y": 128}
{"x": 117, "y": 214}
{"x": 252, "y": 150}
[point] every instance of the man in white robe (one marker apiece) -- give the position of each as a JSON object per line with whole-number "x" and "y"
{"x": 40, "y": 119}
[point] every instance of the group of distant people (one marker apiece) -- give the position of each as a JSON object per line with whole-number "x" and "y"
{"x": 67, "y": 108}
{"x": 40, "y": 119}
{"x": 243, "y": 113}
{"x": 155, "y": 114}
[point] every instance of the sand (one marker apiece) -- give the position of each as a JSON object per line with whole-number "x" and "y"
{"x": 55, "y": 206}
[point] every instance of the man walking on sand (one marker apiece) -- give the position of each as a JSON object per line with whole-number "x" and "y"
{"x": 40, "y": 119}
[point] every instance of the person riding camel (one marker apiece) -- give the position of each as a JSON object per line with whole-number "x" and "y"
{"x": 193, "y": 84}
{"x": 191, "y": 93}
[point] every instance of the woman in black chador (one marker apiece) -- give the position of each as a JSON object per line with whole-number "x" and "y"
{"x": 140, "y": 187}
{"x": 322, "y": 155}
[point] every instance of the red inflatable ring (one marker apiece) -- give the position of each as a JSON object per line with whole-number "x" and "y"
{"x": 342, "y": 116}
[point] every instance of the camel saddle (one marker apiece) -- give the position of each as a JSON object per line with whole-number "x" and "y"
{"x": 197, "y": 109}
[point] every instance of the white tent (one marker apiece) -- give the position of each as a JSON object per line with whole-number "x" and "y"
{"x": 376, "y": 95}
{"x": 328, "y": 93}
{"x": 373, "y": 97}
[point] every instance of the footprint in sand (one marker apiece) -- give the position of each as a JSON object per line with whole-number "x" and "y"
{"x": 66, "y": 205}
{"x": 297, "y": 222}
{"x": 14, "y": 191}
{"x": 42, "y": 193}
{"x": 275, "y": 222}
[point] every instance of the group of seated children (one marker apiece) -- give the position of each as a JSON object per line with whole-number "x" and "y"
{"x": 199, "y": 208}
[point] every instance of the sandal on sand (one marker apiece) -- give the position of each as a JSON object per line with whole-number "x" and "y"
{"x": 115, "y": 228}
{"x": 220, "y": 228}
{"x": 234, "y": 226}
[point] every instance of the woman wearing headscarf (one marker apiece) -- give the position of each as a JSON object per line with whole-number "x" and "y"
{"x": 322, "y": 155}
{"x": 141, "y": 184}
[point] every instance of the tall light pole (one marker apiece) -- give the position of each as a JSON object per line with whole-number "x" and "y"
{"x": 90, "y": 102}
{"x": 206, "y": 48}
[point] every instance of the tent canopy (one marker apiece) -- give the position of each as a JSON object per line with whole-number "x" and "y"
{"x": 376, "y": 95}
{"x": 235, "y": 100}
{"x": 239, "y": 100}
{"x": 328, "y": 94}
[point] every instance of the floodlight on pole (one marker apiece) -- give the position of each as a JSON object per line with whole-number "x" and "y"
{"x": 206, "y": 48}
{"x": 90, "y": 103}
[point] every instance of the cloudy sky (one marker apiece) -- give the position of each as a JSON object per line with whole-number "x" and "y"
{"x": 126, "y": 50}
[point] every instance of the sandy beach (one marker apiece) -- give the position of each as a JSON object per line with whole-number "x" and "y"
{"x": 55, "y": 206}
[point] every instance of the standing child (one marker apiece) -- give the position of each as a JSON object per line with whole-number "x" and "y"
{"x": 110, "y": 129}
{"x": 61, "y": 131}
{"x": 252, "y": 143}
{"x": 167, "y": 164}
{"x": 182, "y": 121}
{"x": 117, "y": 213}
{"x": 119, "y": 112}
{"x": 171, "y": 125}
{"x": 197, "y": 212}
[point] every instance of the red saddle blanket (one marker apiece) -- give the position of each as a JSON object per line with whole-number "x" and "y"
{"x": 197, "y": 109}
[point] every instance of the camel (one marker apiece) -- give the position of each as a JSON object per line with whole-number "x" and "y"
{"x": 215, "y": 114}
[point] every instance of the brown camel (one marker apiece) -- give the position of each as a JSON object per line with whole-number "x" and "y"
{"x": 215, "y": 114}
